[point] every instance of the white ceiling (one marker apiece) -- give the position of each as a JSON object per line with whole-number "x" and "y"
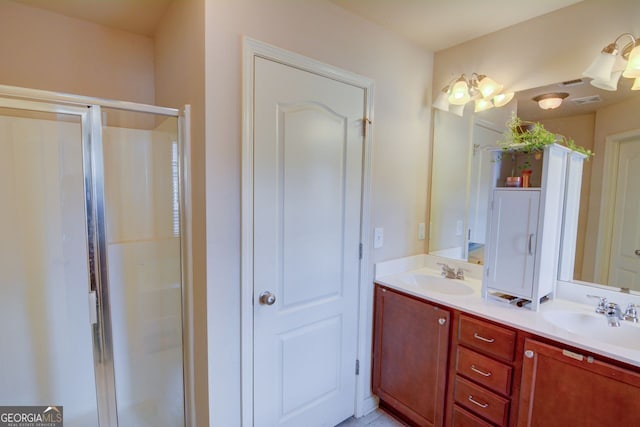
{"x": 440, "y": 24}
{"x": 137, "y": 16}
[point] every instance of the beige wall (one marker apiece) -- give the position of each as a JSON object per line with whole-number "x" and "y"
{"x": 179, "y": 80}
{"x": 44, "y": 50}
{"x": 320, "y": 30}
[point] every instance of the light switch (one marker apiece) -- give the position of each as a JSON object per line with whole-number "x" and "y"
{"x": 421, "y": 231}
{"x": 378, "y": 237}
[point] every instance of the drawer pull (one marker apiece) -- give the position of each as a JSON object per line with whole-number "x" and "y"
{"x": 478, "y": 371}
{"x": 475, "y": 402}
{"x": 481, "y": 338}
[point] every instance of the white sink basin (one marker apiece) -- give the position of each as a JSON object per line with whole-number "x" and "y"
{"x": 597, "y": 327}
{"x": 437, "y": 284}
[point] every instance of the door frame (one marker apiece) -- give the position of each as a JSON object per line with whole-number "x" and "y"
{"x": 608, "y": 202}
{"x": 250, "y": 50}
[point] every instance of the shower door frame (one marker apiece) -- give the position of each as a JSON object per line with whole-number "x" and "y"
{"x": 89, "y": 110}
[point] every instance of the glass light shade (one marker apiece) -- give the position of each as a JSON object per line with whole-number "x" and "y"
{"x": 458, "y": 110}
{"x": 488, "y": 87}
{"x": 502, "y": 99}
{"x": 483, "y": 105}
{"x": 441, "y": 102}
{"x": 633, "y": 66}
{"x": 601, "y": 67}
{"x": 636, "y": 84}
{"x": 611, "y": 84}
{"x": 459, "y": 93}
{"x": 549, "y": 103}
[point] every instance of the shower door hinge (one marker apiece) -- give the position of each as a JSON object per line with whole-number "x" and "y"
{"x": 360, "y": 251}
{"x": 365, "y": 122}
{"x": 357, "y": 367}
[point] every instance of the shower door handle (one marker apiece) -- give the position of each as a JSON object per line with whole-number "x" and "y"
{"x": 93, "y": 308}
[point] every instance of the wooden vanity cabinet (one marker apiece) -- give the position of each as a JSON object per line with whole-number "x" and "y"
{"x": 483, "y": 365}
{"x": 410, "y": 351}
{"x": 564, "y": 388}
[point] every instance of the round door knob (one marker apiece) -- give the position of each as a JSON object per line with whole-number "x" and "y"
{"x": 442, "y": 320}
{"x": 637, "y": 252}
{"x": 529, "y": 354}
{"x": 267, "y": 298}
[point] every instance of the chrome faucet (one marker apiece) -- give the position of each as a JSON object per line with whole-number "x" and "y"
{"x": 631, "y": 314}
{"x": 613, "y": 314}
{"x": 448, "y": 272}
{"x": 452, "y": 273}
{"x": 612, "y": 311}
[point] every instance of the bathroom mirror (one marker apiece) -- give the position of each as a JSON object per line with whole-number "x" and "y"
{"x": 608, "y": 223}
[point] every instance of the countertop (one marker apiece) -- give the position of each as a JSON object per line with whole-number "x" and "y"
{"x": 398, "y": 277}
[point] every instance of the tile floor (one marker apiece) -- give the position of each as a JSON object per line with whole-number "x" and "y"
{"x": 377, "y": 418}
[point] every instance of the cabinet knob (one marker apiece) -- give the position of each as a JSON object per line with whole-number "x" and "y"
{"x": 529, "y": 354}
{"x": 442, "y": 320}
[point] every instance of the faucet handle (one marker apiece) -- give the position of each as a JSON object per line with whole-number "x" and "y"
{"x": 631, "y": 313}
{"x": 602, "y": 303}
{"x": 460, "y": 273}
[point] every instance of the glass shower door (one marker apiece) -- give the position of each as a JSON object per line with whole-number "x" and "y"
{"x": 45, "y": 316}
{"x": 143, "y": 243}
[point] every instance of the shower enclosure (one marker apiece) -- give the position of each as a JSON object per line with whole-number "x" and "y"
{"x": 92, "y": 264}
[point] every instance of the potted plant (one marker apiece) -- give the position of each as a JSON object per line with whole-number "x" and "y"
{"x": 530, "y": 139}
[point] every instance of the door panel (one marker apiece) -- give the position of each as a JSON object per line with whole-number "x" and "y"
{"x": 514, "y": 227}
{"x": 308, "y": 149}
{"x": 312, "y": 150}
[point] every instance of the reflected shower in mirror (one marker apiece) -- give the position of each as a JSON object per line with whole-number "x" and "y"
{"x": 607, "y": 248}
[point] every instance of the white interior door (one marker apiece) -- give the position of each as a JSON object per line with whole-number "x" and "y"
{"x": 624, "y": 270}
{"x": 308, "y": 151}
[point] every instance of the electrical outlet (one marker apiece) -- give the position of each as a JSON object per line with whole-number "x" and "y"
{"x": 421, "y": 231}
{"x": 378, "y": 237}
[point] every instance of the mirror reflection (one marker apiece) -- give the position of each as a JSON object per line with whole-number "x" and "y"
{"x": 607, "y": 248}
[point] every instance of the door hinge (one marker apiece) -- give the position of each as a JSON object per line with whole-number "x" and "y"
{"x": 357, "y": 367}
{"x": 365, "y": 122}
{"x": 360, "y": 251}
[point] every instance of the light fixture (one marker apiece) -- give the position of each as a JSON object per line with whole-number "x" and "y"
{"x": 502, "y": 99}
{"x": 549, "y": 101}
{"x": 459, "y": 94}
{"x": 606, "y": 69}
{"x": 483, "y": 105}
{"x": 488, "y": 87}
{"x": 479, "y": 88}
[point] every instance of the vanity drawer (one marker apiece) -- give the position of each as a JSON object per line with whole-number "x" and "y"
{"x": 486, "y": 337}
{"x": 484, "y": 370}
{"x": 462, "y": 418}
{"x": 481, "y": 401}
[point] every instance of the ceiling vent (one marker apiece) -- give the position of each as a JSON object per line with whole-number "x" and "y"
{"x": 570, "y": 83}
{"x": 587, "y": 100}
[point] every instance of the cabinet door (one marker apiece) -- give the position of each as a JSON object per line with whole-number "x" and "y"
{"x": 410, "y": 356}
{"x": 562, "y": 388}
{"x": 514, "y": 224}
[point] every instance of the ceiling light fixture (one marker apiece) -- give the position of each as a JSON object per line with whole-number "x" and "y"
{"x": 549, "y": 101}
{"x": 614, "y": 61}
{"x": 485, "y": 91}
